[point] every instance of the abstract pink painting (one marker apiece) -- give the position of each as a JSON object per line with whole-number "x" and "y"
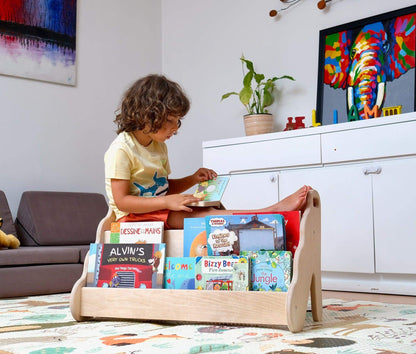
{"x": 38, "y": 39}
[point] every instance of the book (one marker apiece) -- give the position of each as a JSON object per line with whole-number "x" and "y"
{"x": 222, "y": 273}
{"x": 194, "y": 237}
{"x": 114, "y": 233}
{"x": 211, "y": 191}
{"x": 292, "y": 228}
{"x": 179, "y": 273}
{"x": 230, "y": 234}
{"x": 93, "y": 261}
{"x": 126, "y": 265}
{"x": 270, "y": 270}
{"x": 137, "y": 232}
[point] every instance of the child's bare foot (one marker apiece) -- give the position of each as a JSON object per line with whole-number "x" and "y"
{"x": 295, "y": 201}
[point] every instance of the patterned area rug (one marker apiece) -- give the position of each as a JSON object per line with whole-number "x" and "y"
{"x": 43, "y": 324}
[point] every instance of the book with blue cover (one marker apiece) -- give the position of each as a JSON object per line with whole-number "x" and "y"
{"x": 270, "y": 270}
{"x": 94, "y": 260}
{"x": 179, "y": 273}
{"x": 230, "y": 234}
{"x": 194, "y": 237}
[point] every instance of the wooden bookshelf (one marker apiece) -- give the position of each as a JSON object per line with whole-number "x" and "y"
{"x": 226, "y": 307}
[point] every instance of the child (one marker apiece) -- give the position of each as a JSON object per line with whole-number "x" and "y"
{"x": 137, "y": 166}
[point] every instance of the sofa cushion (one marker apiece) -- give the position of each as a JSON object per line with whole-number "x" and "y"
{"x": 38, "y": 280}
{"x": 29, "y": 255}
{"x": 6, "y": 215}
{"x": 59, "y": 218}
{"x": 83, "y": 253}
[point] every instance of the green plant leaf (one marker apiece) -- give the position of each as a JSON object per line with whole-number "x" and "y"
{"x": 247, "y": 79}
{"x": 245, "y": 95}
{"x": 252, "y": 108}
{"x": 267, "y": 98}
{"x": 258, "y": 102}
{"x": 255, "y": 97}
{"x": 259, "y": 78}
{"x": 249, "y": 64}
{"x": 283, "y": 77}
{"x": 226, "y": 95}
{"x": 269, "y": 86}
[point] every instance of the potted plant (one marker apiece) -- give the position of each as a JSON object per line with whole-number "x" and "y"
{"x": 256, "y": 95}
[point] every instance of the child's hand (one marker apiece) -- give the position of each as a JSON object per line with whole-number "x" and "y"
{"x": 179, "y": 202}
{"x": 204, "y": 174}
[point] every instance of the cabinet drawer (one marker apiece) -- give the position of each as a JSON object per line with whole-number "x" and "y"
{"x": 397, "y": 139}
{"x": 263, "y": 154}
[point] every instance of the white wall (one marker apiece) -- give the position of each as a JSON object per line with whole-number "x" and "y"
{"x": 53, "y": 137}
{"x": 202, "y": 44}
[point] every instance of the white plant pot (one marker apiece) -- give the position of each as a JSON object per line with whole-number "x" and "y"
{"x": 258, "y": 123}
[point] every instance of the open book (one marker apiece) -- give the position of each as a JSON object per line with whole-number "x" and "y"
{"x": 211, "y": 191}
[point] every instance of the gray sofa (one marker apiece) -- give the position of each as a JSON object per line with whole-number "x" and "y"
{"x": 55, "y": 230}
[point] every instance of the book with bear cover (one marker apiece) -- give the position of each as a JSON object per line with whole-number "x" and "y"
{"x": 126, "y": 265}
{"x": 179, "y": 273}
{"x": 211, "y": 192}
{"x": 270, "y": 270}
{"x": 230, "y": 234}
{"x": 222, "y": 273}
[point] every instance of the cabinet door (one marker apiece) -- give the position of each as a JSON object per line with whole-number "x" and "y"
{"x": 346, "y": 214}
{"x": 251, "y": 190}
{"x": 394, "y": 216}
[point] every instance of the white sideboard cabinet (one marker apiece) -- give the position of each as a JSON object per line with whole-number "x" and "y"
{"x": 364, "y": 172}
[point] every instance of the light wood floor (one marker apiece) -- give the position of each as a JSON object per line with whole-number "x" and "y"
{"x": 392, "y": 299}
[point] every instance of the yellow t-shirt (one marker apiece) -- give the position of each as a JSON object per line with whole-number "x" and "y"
{"x": 146, "y": 167}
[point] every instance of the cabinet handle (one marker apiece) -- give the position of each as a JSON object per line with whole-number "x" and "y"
{"x": 273, "y": 178}
{"x": 372, "y": 171}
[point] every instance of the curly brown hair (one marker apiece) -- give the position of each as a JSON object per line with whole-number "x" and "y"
{"x": 148, "y": 103}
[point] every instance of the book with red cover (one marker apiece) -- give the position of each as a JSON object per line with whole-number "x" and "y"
{"x": 292, "y": 225}
{"x": 127, "y": 265}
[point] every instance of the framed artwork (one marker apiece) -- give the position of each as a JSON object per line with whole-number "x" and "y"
{"x": 367, "y": 68}
{"x": 37, "y": 39}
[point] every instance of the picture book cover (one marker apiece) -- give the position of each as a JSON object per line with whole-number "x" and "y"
{"x": 114, "y": 233}
{"x": 194, "y": 237}
{"x": 137, "y": 232}
{"x": 222, "y": 273}
{"x": 270, "y": 270}
{"x": 129, "y": 265}
{"x": 230, "y": 234}
{"x": 292, "y": 227}
{"x": 179, "y": 273}
{"x": 211, "y": 191}
{"x": 94, "y": 258}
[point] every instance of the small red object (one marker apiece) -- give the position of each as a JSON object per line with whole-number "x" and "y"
{"x": 299, "y": 122}
{"x": 290, "y": 125}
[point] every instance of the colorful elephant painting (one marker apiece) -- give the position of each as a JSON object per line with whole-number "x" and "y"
{"x": 363, "y": 60}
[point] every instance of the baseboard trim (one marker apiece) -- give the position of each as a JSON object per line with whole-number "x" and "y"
{"x": 397, "y": 284}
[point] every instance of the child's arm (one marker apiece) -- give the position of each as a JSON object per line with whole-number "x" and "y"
{"x": 180, "y": 185}
{"x": 135, "y": 204}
